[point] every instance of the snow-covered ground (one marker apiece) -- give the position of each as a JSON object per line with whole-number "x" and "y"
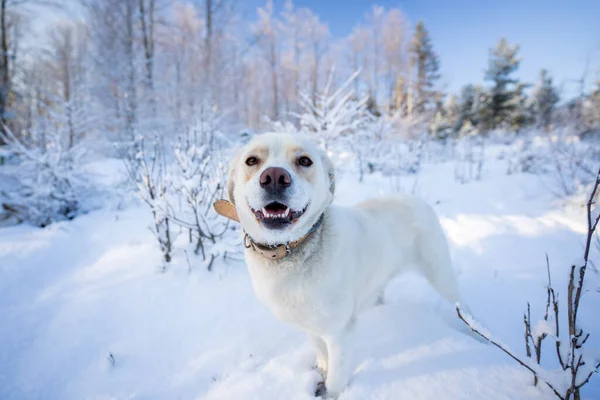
{"x": 87, "y": 313}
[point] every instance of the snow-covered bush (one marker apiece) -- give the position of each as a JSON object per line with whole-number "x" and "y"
{"x": 368, "y": 142}
{"x": 469, "y": 153}
{"x": 179, "y": 182}
{"x": 44, "y": 181}
{"x": 199, "y": 178}
{"x": 334, "y": 113}
{"x": 147, "y": 168}
{"x": 565, "y": 160}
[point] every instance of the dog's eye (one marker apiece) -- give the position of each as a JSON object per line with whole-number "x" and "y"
{"x": 250, "y": 161}
{"x": 305, "y": 161}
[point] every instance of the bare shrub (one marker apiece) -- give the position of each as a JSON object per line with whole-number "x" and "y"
{"x": 578, "y": 368}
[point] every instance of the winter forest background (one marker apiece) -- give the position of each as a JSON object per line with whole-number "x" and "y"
{"x": 105, "y": 74}
{"x": 119, "y": 119}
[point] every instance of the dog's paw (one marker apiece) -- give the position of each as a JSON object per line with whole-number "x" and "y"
{"x": 321, "y": 390}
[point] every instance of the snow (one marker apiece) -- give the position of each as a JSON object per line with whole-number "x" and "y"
{"x": 87, "y": 312}
{"x": 543, "y": 327}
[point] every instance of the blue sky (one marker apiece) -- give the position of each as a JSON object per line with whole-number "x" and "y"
{"x": 556, "y": 35}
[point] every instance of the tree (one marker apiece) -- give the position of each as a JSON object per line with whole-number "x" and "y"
{"x": 267, "y": 36}
{"x": 146, "y": 10}
{"x": 468, "y": 99}
{"x": 394, "y": 35}
{"x": 425, "y": 65}
{"x": 357, "y": 43}
{"x": 504, "y": 96}
{"x": 68, "y": 50}
{"x": 318, "y": 34}
{"x": 545, "y": 98}
{"x": 112, "y": 26}
{"x": 448, "y": 120}
{"x": 12, "y": 27}
{"x": 375, "y": 19}
{"x": 591, "y": 109}
{"x": 337, "y": 112}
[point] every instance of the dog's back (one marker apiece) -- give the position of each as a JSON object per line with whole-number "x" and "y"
{"x": 394, "y": 235}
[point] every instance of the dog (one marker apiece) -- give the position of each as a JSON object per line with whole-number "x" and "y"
{"x": 318, "y": 265}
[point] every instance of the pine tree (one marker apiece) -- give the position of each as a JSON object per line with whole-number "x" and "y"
{"x": 591, "y": 110}
{"x": 425, "y": 64}
{"x": 545, "y": 98}
{"x": 467, "y": 105}
{"x": 447, "y": 120}
{"x": 522, "y": 113}
{"x": 472, "y": 104}
{"x": 504, "y": 98}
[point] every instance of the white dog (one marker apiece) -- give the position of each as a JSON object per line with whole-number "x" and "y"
{"x": 316, "y": 265}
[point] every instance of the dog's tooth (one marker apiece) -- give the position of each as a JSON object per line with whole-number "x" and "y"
{"x": 287, "y": 212}
{"x": 264, "y": 211}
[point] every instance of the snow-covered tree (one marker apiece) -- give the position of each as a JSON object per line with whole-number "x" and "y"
{"x": 447, "y": 121}
{"x": 394, "y": 38}
{"x": 267, "y": 32}
{"x": 545, "y": 96}
{"x": 504, "y": 97}
{"x": 591, "y": 110}
{"x": 116, "y": 64}
{"x": 425, "y": 64}
{"x": 336, "y": 113}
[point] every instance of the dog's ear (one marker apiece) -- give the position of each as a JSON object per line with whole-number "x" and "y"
{"x": 231, "y": 179}
{"x": 329, "y": 170}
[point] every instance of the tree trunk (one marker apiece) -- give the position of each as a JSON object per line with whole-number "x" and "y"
{"x": 274, "y": 82}
{"x": 208, "y": 41}
{"x": 130, "y": 99}
{"x": 147, "y": 25}
{"x": 4, "y": 68}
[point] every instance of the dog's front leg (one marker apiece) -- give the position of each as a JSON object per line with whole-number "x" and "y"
{"x": 321, "y": 349}
{"x": 340, "y": 360}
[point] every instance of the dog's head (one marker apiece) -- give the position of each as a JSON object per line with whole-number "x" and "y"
{"x": 280, "y": 185}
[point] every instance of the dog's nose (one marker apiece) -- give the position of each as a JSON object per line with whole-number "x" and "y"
{"x": 275, "y": 179}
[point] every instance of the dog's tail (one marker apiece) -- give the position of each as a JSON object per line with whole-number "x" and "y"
{"x": 434, "y": 261}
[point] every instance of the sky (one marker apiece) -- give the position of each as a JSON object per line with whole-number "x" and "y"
{"x": 560, "y": 36}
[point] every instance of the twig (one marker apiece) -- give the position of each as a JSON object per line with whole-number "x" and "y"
{"x": 188, "y": 261}
{"x": 534, "y": 372}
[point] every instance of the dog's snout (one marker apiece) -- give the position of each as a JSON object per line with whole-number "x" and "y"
{"x": 275, "y": 179}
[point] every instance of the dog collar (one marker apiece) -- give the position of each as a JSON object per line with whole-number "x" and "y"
{"x": 273, "y": 252}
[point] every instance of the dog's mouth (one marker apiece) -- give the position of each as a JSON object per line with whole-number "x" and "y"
{"x": 277, "y": 215}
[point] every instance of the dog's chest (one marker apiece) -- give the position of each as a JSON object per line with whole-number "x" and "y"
{"x": 294, "y": 296}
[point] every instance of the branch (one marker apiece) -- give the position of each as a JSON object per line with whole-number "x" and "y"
{"x": 592, "y": 223}
{"x": 587, "y": 379}
{"x": 534, "y": 372}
